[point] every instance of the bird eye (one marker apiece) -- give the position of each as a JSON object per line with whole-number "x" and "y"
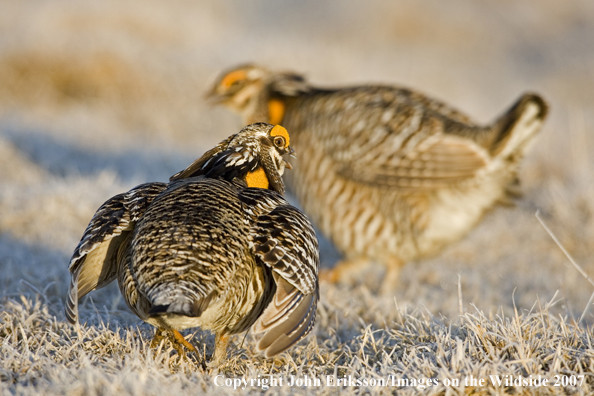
{"x": 279, "y": 141}
{"x": 233, "y": 79}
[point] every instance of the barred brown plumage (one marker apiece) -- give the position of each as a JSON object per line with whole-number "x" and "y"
{"x": 215, "y": 248}
{"x": 388, "y": 174}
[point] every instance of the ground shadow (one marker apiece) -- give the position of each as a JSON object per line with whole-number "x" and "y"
{"x": 64, "y": 159}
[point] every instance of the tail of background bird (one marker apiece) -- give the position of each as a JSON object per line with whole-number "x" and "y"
{"x": 515, "y": 129}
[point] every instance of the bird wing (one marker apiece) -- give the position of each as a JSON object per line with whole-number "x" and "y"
{"x": 222, "y": 162}
{"x": 432, "y": 162}
{"x": 405, "y": 142}
{"x": 195, "y": 169}
{"x": 285, "y": 241}
{"x": 93, "y": 263}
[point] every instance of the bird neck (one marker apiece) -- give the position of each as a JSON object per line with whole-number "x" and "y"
{"x": 263, "y": 107}
{"x": 276, "y": 111}
{"x": 257, "y": 178}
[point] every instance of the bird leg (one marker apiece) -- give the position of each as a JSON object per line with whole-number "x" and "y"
{"x": 393, "y": 267}
{"x": 157, "y": 338}
{"x": 344, "y": 270}
{"x": 351, "y": 270}
{"x": 220, "y": 353}
{"x": 177, "y": 341}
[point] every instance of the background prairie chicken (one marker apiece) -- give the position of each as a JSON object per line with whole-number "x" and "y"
{"x": 388, "y": 174}
{"x": 208, "y": 249}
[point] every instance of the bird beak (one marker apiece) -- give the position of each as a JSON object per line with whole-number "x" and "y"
{"x": 292, "y": 154}
{"x": 213, "y": 97}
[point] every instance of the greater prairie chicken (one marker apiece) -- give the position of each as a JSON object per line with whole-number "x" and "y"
{"x": 217, "y": 248}
{"x": 388, "y": 174}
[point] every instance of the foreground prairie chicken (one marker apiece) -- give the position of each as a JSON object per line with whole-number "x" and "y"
{"x": 388, "y": 174}
{"x": 217, "y": 248}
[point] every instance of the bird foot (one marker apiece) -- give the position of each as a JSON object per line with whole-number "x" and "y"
{"x": 178, "y": 342}
{"x": 360, "y": 271}
{"x": 329, "y": 275}
{"x": 345, "y": 271}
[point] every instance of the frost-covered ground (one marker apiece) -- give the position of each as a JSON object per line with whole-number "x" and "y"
{"x": 97, "y": 97}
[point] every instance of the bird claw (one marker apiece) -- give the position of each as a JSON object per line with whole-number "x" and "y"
{"x": 178, "y": 342}
{"x": 329, "y": 275}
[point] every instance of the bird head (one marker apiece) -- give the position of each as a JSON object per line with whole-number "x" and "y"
{"x": 249, "y": 90}
{"x": 252, "y": 157}
{"x": 240, "y": 88}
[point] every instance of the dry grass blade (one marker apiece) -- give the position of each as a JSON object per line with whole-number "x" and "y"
{"x": 571, "y": 260}
{"x": 460, "y": 304}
